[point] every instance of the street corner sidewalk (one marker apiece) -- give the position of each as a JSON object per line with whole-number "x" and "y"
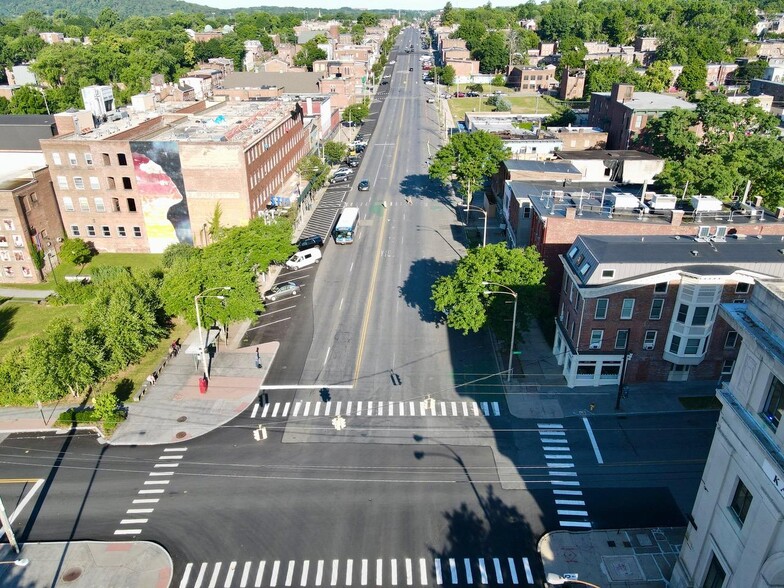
{"x": 174, "y": 409}
{"x": 87, "y": 564}
{"x": 17, "y": 419}
{"x": 632, "y": 558}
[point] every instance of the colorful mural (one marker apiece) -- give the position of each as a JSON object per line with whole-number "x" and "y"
{"x": 164, "y": 202}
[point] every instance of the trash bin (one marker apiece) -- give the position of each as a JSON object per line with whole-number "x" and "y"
{"x": 203, "y": 385}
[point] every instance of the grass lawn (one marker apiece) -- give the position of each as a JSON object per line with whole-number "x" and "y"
{"x": 20, "y": 320}
{"x": 132, "y": 260}
{"x": 126, "y": 382}
{"x": 523, "y": 104}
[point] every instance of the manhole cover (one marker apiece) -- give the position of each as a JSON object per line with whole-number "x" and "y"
{"x": 181, "y": 434}
{"x": 182, "y": 419}
{"x": 72, "y": 574}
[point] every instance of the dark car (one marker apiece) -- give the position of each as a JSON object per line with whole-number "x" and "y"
{"x": 410, "y": 69}
{"x": 472, "y": 94}
{"x": 280, "y": 291}
{"x": 352, "y": 161}
{"x": 364, "y": 186}
{"x": 340, "y": 179}
{"x": 384, "y": 83}
{"x": 308, "y": 242}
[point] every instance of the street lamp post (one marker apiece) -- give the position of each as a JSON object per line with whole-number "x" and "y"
{"x": 469, "y": 207}
{"x": 512, "y": 293}
{"x": 202, "y": 342}
{"x": 627, "y": 357}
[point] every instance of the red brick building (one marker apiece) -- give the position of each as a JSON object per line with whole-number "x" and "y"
{"x": 146, "y": 179}
{"x": 646, "y": 308}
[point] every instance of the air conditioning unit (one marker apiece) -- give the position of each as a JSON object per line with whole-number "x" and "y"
{"x": 595, "y": 345}
{"x": 648, "y": 346}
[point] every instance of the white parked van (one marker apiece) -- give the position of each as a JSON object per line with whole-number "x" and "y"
{"x": 304, "y": 258}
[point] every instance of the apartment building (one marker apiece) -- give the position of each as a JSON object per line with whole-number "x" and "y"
{"x": 735, "y": 535}
{"x": 146, "y": 179}
{"x": 641, "y": 309}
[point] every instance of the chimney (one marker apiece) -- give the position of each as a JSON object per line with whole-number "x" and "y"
{"x": 571, "y": 212}
{"x": 758, "y": 202}
{"x": 622, "y": 92}
{"x": 676, "y": 218}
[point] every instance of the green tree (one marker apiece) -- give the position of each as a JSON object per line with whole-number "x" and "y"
{"x": 475, "y": 88}
{"x": 28, "y": 100}
{"x": 693, "y": 78}
{"x": 356, "y": 113}
{"x": 751, "y": 70}
{"x": 367, "y": 19}
{"x": 176, "y": 252}
{"x": 670, "y": 135}
{"x": 470, "y": 158}
{"x": 106, "y": 406}
{"x": 492, "y": 53}
{"x": 309, "y": 53}
{"x": 446, "y": 75}
{"x": 498, "y": 80}
{"x": 107, "y": 18}
{"x": 472, "y": 32}
{"x": 76, "y": 251}
{"x": 600, "y": 76}
{"x": 5, "y": 105}
{"x": 313, "y": 171}
{"x": 447, "y": 14}
{"x": 214, "y": 228}
{"x": 335, "y": 152}
{"x": 562, "y": 117}
{"x": 560, "y": 18}
{"x": 36, "y": 255}
{"x": 573, "y": 53}
{"x": 461, "y": 295}
{"x": 658, "y": 76}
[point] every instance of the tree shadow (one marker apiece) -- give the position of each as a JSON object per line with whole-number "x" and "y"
{"x": 7, "y": 314}
{"x": 415, "y": 291}
{"x": 422, "y": 186}
{"x": 497, "y": 532}
{"x": 123, "y": 389}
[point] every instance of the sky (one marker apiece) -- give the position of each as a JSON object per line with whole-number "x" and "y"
{"x": 374, "y": 4}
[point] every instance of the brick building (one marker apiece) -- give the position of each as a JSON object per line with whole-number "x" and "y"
{"x": 524, "y": 78}
{"x": 623, "y": 113}
{"x": 642, "y": 309}
{"x": 146, "y": 179}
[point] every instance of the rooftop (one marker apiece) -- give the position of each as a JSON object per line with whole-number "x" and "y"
{"x": 555, "y": 167}
{"x": 652, "y": 101}
{"x": 625, "y": 154}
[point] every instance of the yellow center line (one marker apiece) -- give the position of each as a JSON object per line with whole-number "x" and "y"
{"x": 377, "y": 261}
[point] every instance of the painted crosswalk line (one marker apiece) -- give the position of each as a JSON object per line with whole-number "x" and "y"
{"x": 360, "y": 408}
{"x": 406, "y": 571}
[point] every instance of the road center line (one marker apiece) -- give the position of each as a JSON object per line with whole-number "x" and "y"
{"x": 593, "y": 440}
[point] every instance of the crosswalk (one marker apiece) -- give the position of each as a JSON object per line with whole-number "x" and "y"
{"x": 452, "y": 571}
{"x": 371, "y": 408}
{"x": 570, "y": 506}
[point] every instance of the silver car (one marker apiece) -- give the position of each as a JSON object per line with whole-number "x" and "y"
{"x": 280, "y": 291}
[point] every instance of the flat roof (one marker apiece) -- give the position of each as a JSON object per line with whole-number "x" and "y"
{"x": 627, "y": 154}
{"x": 652, "y": 101}
{"x": 555, "y": 167}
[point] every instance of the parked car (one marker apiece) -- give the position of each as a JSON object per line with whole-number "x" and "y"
{"x": 364, "y": 186}
{"x": 308, "y": 242}
{"x": 344, "y": 171}
{"x": 459, "y": 94}
{"x": 410, "y": 69}
{"x": 384, "y": 83}
{"x": 280, "y": 291}
{"x": 431, "y": 100}
{"x": 472, "y": 94}
{"x": 352, "y": 161}
{"x": 304, "y": 258}
{"x": 340, "y": 179}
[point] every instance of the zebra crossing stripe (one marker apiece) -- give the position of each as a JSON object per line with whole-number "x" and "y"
{"x": 307, "y": 409}
{"x": 334, "y": 577}
{"x": 286, "y": 408}
{"x": 245, "y": 574}
{"x": 275, "y": 570}
{"x": 411, "y": 406}
{"x": 550, "y": 426}
{"x": 186, "y": 575}
{"x": 255, "y": 410}
{"x": 214, "y": 578}
{"x": 349, "y": 568}
{"x": 304, "y": 578}
{"x": 230, "y": 575}
{"x": 454, "y": 408}
{"x": 319, "y": 572}
{"x": 327, "y": 407}
{"x": 476, "y": 408}
{"x": 289, "y": 573}
{"x": 465, "y": 409}
{"x": 363, "y": 573}
{"x": 423, "y": 570}
{"x": 393, "y": 563}
{"x": 316, "y": 409}
{"x": 200, "y": 577}
{"x": 275, "y": 410}
{"x": 439, "y": 578}
{"x": 482, "y": 570}
{"x": 379, "y": 570}
{"x": 260, "y": 574}
{"x": 453, "y": 570}
{"x": 265, "y": 410}
{"x": 469, "y": 573}
{"x": 582, "y": 524}
{"x": 297, "y": 406}
{"x": 485, "y": 410}
{"x": 348, "y": 407}
{"x": 512, "y": 569}
{"x": 496, "y": 409}
{"x": 337, "y": 407}
{"x": 528, "y": 574}
{"x": 409, "y": 572}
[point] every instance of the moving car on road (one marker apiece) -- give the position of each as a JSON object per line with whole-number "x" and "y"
{"x": 280, "y": 291}
{"x": 364, "y": 186}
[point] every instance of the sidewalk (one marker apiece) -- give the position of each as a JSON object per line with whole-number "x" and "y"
{"x": 86, "y": 564}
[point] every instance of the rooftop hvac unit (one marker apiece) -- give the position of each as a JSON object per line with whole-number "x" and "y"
{"x": 706, "y": 204}
{"x": 663, "y": 202}
{"x": 595, "y": 345}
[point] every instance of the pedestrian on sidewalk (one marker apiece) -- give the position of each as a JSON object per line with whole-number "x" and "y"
{"x": 258, "y": 359}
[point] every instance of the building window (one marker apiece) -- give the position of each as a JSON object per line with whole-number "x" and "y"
{"x": 608, "y": 273}
{"x": 742, "y": 288}
{"x": 90, "y": 231}
{"x": 88, "y": 158}
{"x": 657, "y": 305}
{"x": 56, "y": 159}
{"x": 115, "y": 205}
{"x": 586, "y": 370}
{"x": 106, "y": 159}
{"x": 741, "y": 502}
{"x": 731, "y": 340}
{"x": 585, "y": 268}
{"x": 675, "y": 344}
{"x": 601, "y": 308}
{"x": 121, "y": 159}
{"x": 700, "y": 316}
{"x": 68, "y": 204}
{"x": 72, "y": 159}
{"x": 650, "y": 340}
{"x": 99, "y": 205}
{"x": 596, "y": 338}
{"x": 75, "y": 230}
{"x": 572, "y": 252}
{"x": 627, "y": 309}
{"x": 610, "y": 371}
{"x": 83, "y": 205}
{"x": 95, "y": 184}
{"x": 661, "y": 288}
{"x": 78, "y": 183}
{"x": 62, "y": 182}
{"x": 137, "y": 231}
{"x": 110, "y": 181}
{"x": 727, "y": 367}
{"x": 683, "y": 312}
{"x": 34, "y": 197}
{"x": 121, "y": 231}
{"x": 26, "y": 272}
{"x": 774, "y": 406}
{"x": 621, "y": 339}
{"x": 715, "y": 576}
{"x": 131, "y": 204}
{"x": 106, "y": 231}
{"x": 692, "y": 347}
{"x": 127, "y": 183}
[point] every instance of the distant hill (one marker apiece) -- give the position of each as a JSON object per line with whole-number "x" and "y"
{"x": 126, "y": 8}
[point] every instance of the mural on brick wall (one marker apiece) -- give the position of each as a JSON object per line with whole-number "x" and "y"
{"x": 164, "y": 202}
